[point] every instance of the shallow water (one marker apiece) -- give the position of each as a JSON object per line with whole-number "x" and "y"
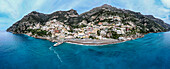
{"x": 23, "y": 52}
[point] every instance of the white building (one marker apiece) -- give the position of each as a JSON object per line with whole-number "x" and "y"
{"x": 119, "y": 32}
{"x": 103, "y": 33}
{"x": 121, "y": 38}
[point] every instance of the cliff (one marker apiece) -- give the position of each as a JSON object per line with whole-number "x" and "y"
{"x": 139, "y": 23}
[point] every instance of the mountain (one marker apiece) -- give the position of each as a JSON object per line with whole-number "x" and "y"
{"x": 106, "y": 21}
{"x": 127, "y": 15}
{"x": 69, "y": 17}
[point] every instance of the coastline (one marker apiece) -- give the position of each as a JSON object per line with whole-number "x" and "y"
{"x": 86, "y": 42}
{"x": 94, "y": 44}
{"x": 101, "y": 43}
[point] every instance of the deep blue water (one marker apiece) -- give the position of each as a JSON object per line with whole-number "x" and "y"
{"x": 24, "y": 52}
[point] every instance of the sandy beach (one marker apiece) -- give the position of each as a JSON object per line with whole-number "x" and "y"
{"x": 93, "y": 42}
{"x": 87, "y": 42}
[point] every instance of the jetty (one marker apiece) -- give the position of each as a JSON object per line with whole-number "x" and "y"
{"x": 58, "y": 43}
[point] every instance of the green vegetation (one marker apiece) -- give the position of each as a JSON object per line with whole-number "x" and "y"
{"x": 81, "y": 26}
{"x": 39, "y": 32}
{"x": 74, "y": 26}
{"x": 115, "y": 35}
{"x": 92, "y": 37}
{"x": 98, "y": 32}
{"x": 70, "y": 30}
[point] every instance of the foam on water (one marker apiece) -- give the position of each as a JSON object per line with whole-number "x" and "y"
{"x": 51, "y": 48}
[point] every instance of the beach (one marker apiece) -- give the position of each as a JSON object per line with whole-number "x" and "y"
{"x": 92, "y": 42}
{"x": 87, "y": 42}
{"x": 95, "y": 42}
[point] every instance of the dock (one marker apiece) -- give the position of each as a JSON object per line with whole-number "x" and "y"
{"x": 58, "y": 43}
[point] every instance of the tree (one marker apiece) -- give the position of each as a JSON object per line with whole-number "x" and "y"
{"x": 98, "y": 32}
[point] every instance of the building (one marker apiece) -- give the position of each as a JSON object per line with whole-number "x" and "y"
{"x": 102, "y": 33}
{"x": 100, "y": 23}
{"x": 81, "y": 35}
{"x": 119, "y": 32}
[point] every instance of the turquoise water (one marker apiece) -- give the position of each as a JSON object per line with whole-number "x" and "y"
{"x": 24, "y": 52}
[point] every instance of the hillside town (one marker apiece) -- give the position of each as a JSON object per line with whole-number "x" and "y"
{"x": 97, "y": 30}
{"x": 99, "y": 26}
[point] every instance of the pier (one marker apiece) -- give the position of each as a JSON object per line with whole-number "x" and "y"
{"x": 58, "y": 43}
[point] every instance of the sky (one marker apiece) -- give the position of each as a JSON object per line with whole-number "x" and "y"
{"x": 12, "y": 11}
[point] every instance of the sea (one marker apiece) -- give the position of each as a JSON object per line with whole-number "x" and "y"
{"x": 18, "y": 51}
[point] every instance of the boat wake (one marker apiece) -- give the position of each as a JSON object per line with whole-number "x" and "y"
{"x": 50, "y": 48}
{"x": 58, "y": 56}
{"x": 55, "y": 53}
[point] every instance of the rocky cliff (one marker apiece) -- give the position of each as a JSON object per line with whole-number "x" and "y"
{"x": 146, "y": 23}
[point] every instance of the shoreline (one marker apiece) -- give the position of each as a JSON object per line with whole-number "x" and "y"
{"x": 94, "y": 43}
{"x": 87, "y": 42}
{"x": 100, "y": 44}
